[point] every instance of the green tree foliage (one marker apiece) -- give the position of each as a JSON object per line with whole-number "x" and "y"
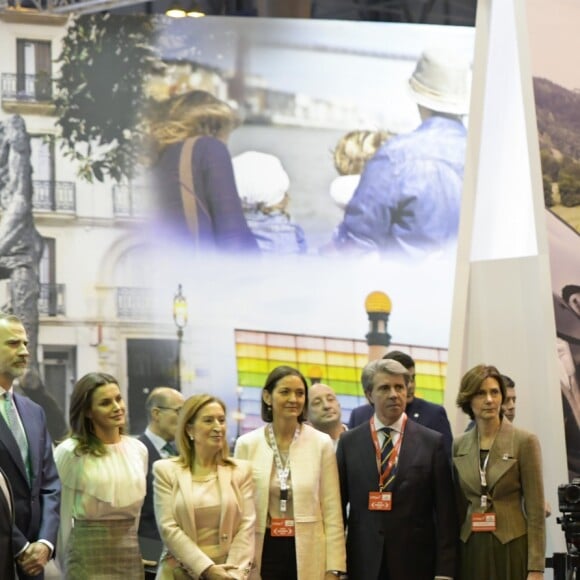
{"x": 548, "y": 197}
{"x": 550, "y": 164}
{"x": 569, "y": 182}
{"x": 105, "y": 61}
{"x": 557, "y": 112}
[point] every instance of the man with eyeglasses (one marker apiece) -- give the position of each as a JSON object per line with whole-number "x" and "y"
{"x": 163, "y": 405}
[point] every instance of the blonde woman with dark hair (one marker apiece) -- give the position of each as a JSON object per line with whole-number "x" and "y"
{"x": 192, "y": 177}
{"x": 102, "y": 472}
{"x": 204, "y": 500}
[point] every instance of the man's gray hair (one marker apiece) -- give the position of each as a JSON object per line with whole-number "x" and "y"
{"x": 383, "y": 365}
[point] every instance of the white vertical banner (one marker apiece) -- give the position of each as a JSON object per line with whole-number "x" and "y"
{"x": 502, "y": 311}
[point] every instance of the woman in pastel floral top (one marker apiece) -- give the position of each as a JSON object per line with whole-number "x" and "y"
{"x": 102, "y": 472}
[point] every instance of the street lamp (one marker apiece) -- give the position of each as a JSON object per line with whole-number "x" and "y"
{"x": 238, "y": 415}
{"x": 180, "y": 319}
{"x": 378, "y": 306}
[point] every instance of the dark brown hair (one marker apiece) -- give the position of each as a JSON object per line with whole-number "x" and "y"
{"x": 273, "y": 378}
{"x": 81, "y": 426}
{"x": 471, "y": 384}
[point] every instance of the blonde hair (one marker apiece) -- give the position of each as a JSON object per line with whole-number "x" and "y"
{"x": 191, "y": 114}
{"x": 187, "y": 416}
{"x": 355, "y": 148}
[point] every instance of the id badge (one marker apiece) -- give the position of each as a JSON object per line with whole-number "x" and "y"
{"x": 281, "y": 528}
{"x": 380, "y": 501}
{"x": 483, "y": 522}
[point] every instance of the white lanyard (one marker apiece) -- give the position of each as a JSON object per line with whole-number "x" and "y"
{"x": 483, "y": 478}
{"x": 283, "y": 470}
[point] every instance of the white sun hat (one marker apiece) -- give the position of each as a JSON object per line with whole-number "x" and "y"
{"x": 441, "y": 82}
{"x": 260, "y": 178}
{"x": 342, "y": 189}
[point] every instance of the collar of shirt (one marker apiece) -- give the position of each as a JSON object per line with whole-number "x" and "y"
{"x": 158, "y": 442}
{"x": 396, "y": 427}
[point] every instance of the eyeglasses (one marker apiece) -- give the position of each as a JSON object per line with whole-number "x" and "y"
{"x": 176, "y": 409}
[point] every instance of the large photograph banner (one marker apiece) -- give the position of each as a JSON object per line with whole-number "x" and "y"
{"x": 296, "y": 167}
{"x": 556, "y": 80}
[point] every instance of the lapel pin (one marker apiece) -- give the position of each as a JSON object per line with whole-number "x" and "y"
{"x": 505, "y": 457}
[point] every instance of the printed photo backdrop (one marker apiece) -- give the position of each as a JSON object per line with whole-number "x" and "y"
{"x": 554, "y": 43}
{"x": 299, "y": 86}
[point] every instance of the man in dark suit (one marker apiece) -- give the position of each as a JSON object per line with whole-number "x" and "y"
{"x": 402, "y": 520}
{"x": 26, "y": 459}
{"x": 163, "y": 405}
{"x": 419, "y": 410}
{"x": 7, "y": 570}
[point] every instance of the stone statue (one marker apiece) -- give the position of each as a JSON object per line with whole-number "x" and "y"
{"x": 20, "y": 243}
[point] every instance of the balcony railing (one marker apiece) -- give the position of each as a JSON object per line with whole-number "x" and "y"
{"x": 54, "y": 196}
{"x": 27, "y": 88}
{"x": 51, "y": 300}
{"x": 134, "y": 303}
{"x": 130, "y": 200}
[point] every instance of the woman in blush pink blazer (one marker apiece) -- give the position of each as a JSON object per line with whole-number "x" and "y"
{"x": 303, "y": 538}
{"x": 203, "y": 500}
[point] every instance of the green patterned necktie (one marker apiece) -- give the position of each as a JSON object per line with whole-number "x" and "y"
{"x": 16, "y": 427}
{"x": 170, "y": 449}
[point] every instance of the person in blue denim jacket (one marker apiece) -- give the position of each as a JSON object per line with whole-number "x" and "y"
{"x": 263, "y": 185}
{"x": 409, "y": 194}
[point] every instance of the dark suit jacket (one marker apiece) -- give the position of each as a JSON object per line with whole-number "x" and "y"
{"x": 7, "y": 571}
{"x": 147, "y": 524}
{"x": 36, "y": 504}
{"x": 419, "y": 535}
{"x": 421, "y": 411}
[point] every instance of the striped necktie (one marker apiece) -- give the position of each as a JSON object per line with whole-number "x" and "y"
{"x": 386, "y": 452}
{"x": 16, "y": 428}
{"x": 386, "y": 447}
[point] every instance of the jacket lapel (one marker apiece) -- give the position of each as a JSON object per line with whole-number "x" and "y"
{"x": 466, "y": 461}
{"x": 7, "y": 438}
{"x": 502, "y": 454}
{"x": 33, "y": 435}
{"x": 185, "y": 484}
{"x": 224, "y": 474}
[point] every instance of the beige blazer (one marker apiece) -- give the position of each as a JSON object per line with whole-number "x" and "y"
{"x": 514, "y": 473}
{"x": 175, "y": 515}
{"x": 319, "y": 529}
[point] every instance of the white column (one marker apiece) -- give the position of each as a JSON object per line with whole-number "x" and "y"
{"x": 502, "y": 312}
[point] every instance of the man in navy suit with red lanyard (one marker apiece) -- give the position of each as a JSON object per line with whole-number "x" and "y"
{"x": 418, "y": 410}
{"x": 395, "y": 480}
{"x": 26, "y": 459}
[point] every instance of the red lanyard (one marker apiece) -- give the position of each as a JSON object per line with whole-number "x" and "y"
{"x": 384, "y": 476}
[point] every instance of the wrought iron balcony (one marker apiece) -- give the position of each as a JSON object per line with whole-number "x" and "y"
{"x": 130, "y": 200}
{"x": 134, "y": 303}
{"x": 27, "y": 88}
{"x": 58, "y": 196}
{"x": 51, "y": 300}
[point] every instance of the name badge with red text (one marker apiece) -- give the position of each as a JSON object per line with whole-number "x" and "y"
{"x": 380, "y": 501}
{"x": 483, "y": 522}
{"x": 282, "y": 528}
